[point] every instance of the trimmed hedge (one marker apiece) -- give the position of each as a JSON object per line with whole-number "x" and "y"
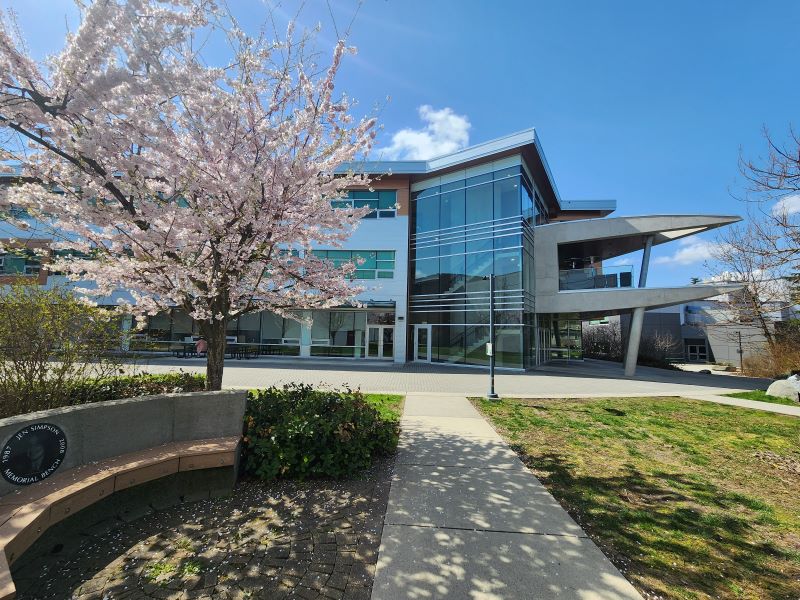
{"x": 131, "y": 386}
{"x": 100, "y": 389}
{"x": 298, "y": 431}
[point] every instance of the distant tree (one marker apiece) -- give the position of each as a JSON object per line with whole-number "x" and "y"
{"x": 694, "y": 280}
{"x": 743, "y": 254}
{"x": 50, "y": 342}
{"x": 764, "y": 252}
{"x": 774, "y": 185}
{"x": 773, "y": 193}
{"x": 195, "y": 181}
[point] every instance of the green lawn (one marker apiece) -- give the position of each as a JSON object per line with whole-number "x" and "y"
{"x": 390, "y": 406}
{"x": 689, "y": 499}
{"x": 762, "y": 396}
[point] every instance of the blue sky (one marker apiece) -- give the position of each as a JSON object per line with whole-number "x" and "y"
{"x": 649, "y": 103}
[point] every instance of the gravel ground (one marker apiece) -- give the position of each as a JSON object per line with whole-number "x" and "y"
{"x": 317, "y": 539}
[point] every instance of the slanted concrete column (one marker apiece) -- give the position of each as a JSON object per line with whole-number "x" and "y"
{"x": 634, "y": 338}
{"x": 648, "y": 245}
{"x": 637, "y": 318}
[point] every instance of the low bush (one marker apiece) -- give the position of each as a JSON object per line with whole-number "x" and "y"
{"x": 51, "y": 340}
{"x": 130, "y": 386}
{"x": 298, "y": 431}
{"x": 776, "y": 362}
{"x": 99, "y": 389}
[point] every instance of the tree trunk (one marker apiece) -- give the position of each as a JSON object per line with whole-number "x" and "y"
{"x": 214, "y": 332}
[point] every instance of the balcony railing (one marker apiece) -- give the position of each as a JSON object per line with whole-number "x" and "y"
{"x": 591, "y": 278}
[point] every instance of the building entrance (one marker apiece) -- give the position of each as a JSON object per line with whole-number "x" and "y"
{"x": 380, "y": 341}
{"x": 422, "y": 343}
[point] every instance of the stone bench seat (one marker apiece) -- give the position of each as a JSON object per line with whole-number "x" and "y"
{"x": 28, "y": 512}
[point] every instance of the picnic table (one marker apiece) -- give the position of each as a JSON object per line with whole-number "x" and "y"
{"x": 233, "y": 350}
{"x": 242, "y": 350}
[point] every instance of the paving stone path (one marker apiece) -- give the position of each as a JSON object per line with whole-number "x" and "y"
{"x": 285, "y": 540}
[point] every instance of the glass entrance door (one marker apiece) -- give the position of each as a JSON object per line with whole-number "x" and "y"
{"x": 380, "y": 341}
{"x": 696, "y": 352}
{"x": 422, "y": 343}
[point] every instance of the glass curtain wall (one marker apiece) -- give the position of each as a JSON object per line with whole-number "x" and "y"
{"x": 338, "y": 333}
{"x": 560, "y": 337}
{"x": 277, "y": 335}
{"x": 463, "y": 232}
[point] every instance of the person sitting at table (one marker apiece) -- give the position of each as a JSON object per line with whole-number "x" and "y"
{"x": 201, "y": 346}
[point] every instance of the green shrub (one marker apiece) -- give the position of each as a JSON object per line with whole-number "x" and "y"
{"x": 298, "y": 431}
{"x": 130, "y": 386}
{"x": 100, "y": 389}
{"x": 50, "y": 340}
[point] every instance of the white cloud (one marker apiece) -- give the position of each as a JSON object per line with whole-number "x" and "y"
{"x": 622, "y": 262}
{"x": 443, "y": 131}
{"x": 788, "y": 205}
{"x": 690, "y": 252}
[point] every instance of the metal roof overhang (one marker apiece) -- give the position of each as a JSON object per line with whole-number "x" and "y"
{"x": 524, "y": 142}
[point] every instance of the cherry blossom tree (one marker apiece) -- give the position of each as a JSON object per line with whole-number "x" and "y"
{"x": 199, "y": 182}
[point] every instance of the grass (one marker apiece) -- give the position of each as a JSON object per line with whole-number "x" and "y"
{"x": 689, "y": 499}
{"x": 158, "y": 571}
{"x": 191, "y": 567}
{"x": 762, "y": 396}
{"x": 390, "y": 406}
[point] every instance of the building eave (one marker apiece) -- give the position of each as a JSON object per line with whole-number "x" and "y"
{"x": 524, "y": 142}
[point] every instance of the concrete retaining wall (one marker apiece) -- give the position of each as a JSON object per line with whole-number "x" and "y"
{"x": 101, "y": 430}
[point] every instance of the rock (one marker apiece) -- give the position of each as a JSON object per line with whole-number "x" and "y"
{"x": 783, "y": 389}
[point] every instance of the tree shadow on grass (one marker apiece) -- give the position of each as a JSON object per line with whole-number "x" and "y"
{"x": 643, "y": 521}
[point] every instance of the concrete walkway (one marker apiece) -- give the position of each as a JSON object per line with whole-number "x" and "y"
{"x": 467, "y": 520}
{"x": 781, "y": 409}
{"x": 584, "y": 379}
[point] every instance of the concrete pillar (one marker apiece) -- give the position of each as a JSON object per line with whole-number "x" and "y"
{"x": 637, "y": 318}
{"x": 400, "y": 329}
{"x": 648, "y": 245}
{"x": 305, "y": 334}
{"x": 634, "y": 338}
{"x": 127, "y": 325}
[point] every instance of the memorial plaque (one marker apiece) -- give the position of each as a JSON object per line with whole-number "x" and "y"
{"x": 33, "y": 453}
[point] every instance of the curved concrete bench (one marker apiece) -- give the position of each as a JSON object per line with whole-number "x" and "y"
{"x": 110, "y": 447}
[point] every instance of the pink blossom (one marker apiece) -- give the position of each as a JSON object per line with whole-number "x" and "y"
{"x": 187, "y": 182}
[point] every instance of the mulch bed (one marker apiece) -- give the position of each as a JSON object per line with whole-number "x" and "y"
{"x": 315, "y": 539}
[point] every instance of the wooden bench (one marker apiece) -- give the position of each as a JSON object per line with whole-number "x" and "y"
{"x": 28, "y": 512}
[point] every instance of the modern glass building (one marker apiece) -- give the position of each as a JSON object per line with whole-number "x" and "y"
{"x": 465, "y": 228}
{"x": 438, "y": 230}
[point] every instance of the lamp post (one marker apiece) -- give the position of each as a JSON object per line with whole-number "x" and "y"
{"x": 740, "y": 351}
{"x": 492, "y": 395}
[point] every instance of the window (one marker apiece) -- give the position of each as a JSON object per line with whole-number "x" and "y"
{"x": 382, "y": 202}
{"x": 338, "y": 333}
{"x": 427, "y": 214}
{"x": 479, "y": 203}
{"x": 377, "y": 264}
{"x": 506, "y": 198}
{"x": 24, "y": 263}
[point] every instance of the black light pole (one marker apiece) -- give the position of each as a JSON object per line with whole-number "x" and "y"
{"x": 492, "y": 395}
{"x": 741, "y": 353}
